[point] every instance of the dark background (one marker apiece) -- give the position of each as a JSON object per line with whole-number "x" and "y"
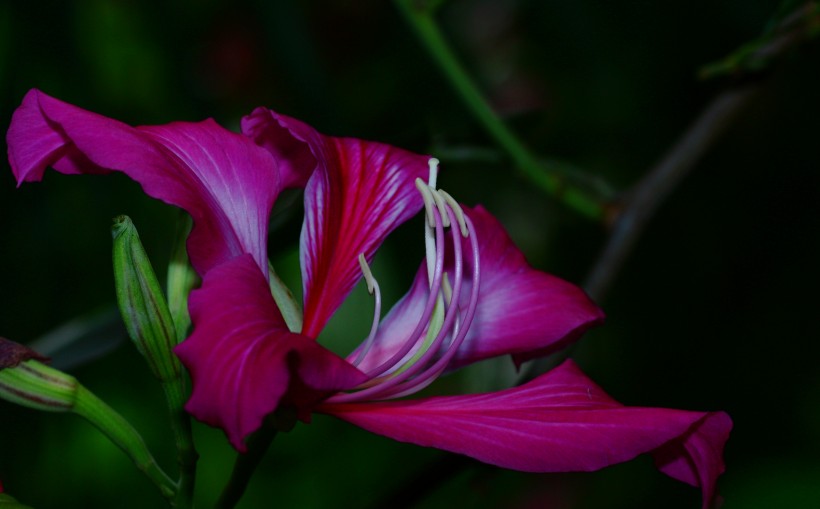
{"x": 715, "y": 309}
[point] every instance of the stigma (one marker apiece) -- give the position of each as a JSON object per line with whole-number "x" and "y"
{"x": 449, "y": 307}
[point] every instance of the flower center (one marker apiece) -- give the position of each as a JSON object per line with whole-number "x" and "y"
{"x": 445, "y": 320}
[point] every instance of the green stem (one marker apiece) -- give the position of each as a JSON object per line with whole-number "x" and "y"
{"x": 186, "y": 453}
{"x": 421, "y": 19}
{"x": 120, "y": 431}
{"x": 245, "y": 466}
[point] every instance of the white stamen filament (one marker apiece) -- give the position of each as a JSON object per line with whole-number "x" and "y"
{"x": 373, "y": 289}
{"x": 443, "y": 324}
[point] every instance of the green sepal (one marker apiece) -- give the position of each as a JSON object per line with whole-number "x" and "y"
{"x": 291, "y": 311}
{"x": 142, "y": 303}
{"x": 182, "y": 278}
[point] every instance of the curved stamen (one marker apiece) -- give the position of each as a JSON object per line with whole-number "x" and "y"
{"x": 373, "y": 289}
{"x": 441, "y": 364}
{"x": 429, "y": 201}
{"x": 442, "y": 207}
{"x": 428, "y": 309}
{"x": 457, "y": 208}
{"x": 436, "y": 339}
{"x": 413, "y": 366}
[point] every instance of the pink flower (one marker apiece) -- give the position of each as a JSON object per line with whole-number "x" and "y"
{"x": 474, "y": 296}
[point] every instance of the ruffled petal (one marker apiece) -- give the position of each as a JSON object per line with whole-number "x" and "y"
{"x": 273, "y": 132}
{"x": 559, "y": 422}
{"x": 226, "y": 182}
{"x": 243, "y": 360}
{"x": 360, "y": 192}
{"x": 521, "y": 311}
{"x": 697, "y": 457}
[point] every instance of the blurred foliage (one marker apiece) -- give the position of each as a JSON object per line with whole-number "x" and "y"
{"x": 715, "y": 309}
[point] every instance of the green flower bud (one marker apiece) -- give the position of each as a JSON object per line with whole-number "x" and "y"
{"x": 142, "y": 303}
{"x": 26, "y": 381}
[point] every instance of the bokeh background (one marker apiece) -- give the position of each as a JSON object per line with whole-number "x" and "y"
{"x": 716, "y": 308}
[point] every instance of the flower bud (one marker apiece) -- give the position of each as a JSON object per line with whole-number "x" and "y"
{"x": 142, "y": 303}
{"x": 26, "y": 381}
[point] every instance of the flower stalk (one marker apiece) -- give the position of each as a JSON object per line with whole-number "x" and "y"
{"x": 120, "y": 431}
{"x": 26, "y": 381}
{"x": 151, "y": 327}
{"x": 284, "y": 419}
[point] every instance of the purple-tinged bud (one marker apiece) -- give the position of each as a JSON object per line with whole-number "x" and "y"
{"x": 26, "y": 381}
{"x": 142, "y": 303}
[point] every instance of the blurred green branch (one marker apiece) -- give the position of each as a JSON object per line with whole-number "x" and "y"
{"x": 547, "y": 177}
{"x": 788, "y": 29}
{"x": 784, "y": 33}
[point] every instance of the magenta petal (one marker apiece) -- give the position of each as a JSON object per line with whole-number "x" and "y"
{"x": 283, "y": 137}
{"x": 226, "y": 182}
{"x": 559, "y": 422}
{"x": 521, "y": 311}
{"x": 243, "y": 360}
{"x": 696, "y": 458}
{"x": 360, "y": 192}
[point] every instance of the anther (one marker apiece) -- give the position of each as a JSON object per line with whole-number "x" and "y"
{"x": 442, "y": 208}
{"x": 429, "y": 201}
{"x": 373, "y": 289}
{"x": 368, "y": 275}
{"x": 465, "y": 232}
